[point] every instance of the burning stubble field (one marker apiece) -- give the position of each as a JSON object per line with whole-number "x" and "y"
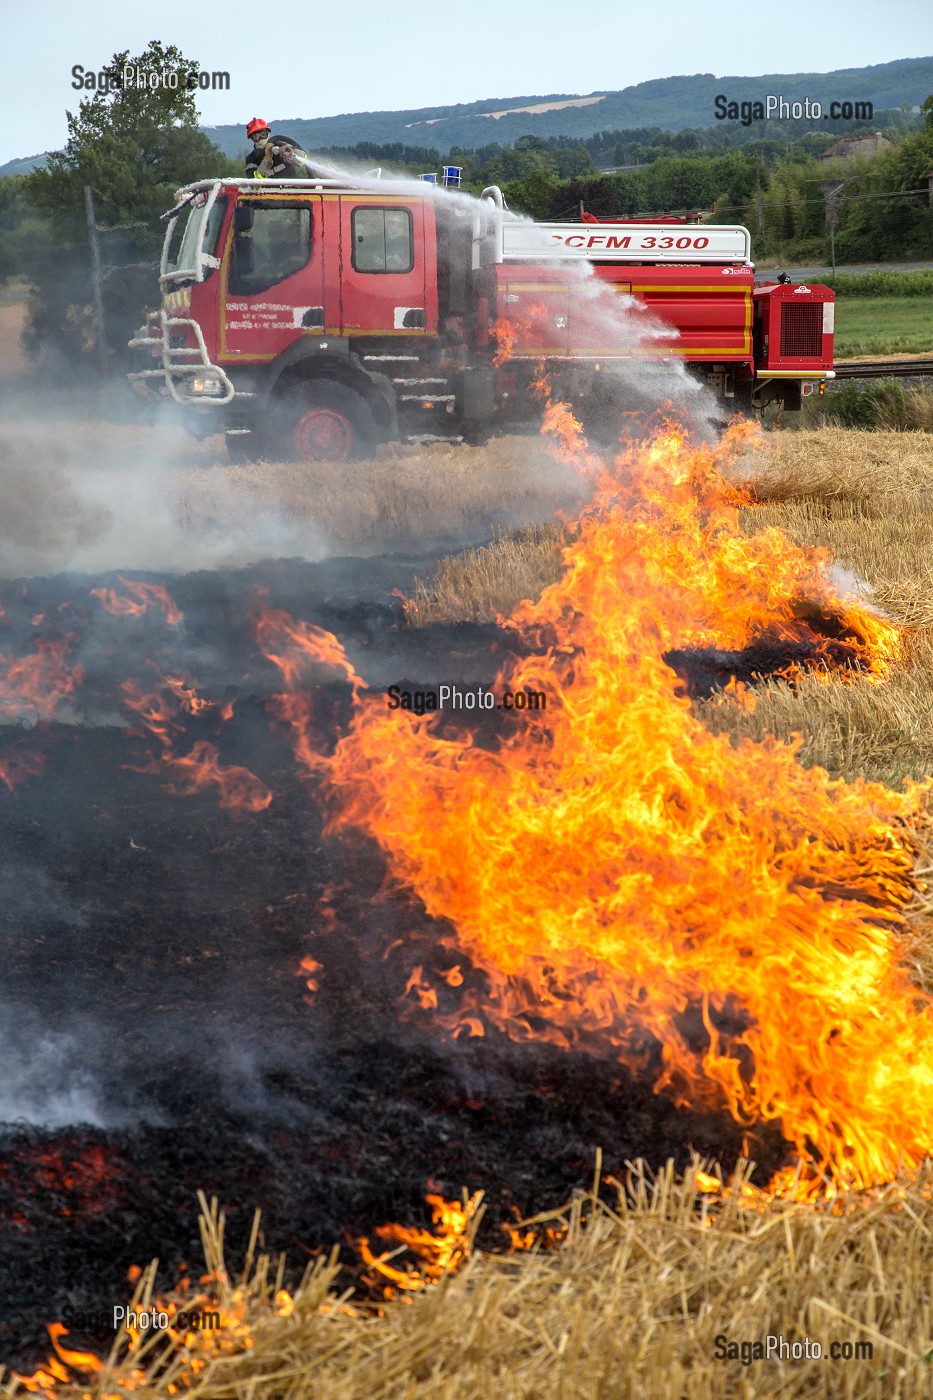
{"x": 266, "y": 938}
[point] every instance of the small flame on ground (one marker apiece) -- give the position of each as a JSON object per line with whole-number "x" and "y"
{"x": 35, "y": 686}
{"x": 138, "y": 598}
{"x": 178, "y": 1353}
{"x": 16, "y": 767}
{"x": 437, "y": 1253}
{"x": 201, "y": 767}
{"x": 311, "y": 967}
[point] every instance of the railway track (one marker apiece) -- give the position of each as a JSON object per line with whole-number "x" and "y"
{"x": 884, "y": 369}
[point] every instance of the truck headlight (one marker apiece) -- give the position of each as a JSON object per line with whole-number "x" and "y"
{"x": 207, "y": 385}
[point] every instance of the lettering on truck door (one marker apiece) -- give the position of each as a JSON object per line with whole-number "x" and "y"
{"x": 273, "y": 276}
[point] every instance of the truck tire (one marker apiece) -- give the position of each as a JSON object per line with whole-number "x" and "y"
{"x": 322, "y": 421}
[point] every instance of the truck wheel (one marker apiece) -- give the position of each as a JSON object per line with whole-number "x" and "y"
{"x": 327, "y": 423}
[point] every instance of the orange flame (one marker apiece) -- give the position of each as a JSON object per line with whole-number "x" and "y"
{"x": 193, "y": 1344}
{"x": 504, "y": 333}
{"x": 15, "y": 768}
{"x": 442, "y": 1252}
{"x": 228, "y": 1329}
{"x": 312, "y": 967}
{"x": 524, "y": 335}
{"x": 200, "y": 767}
{"x": 300, "y": 650}
{"x": 560, "y": 423}
{"x": 541, "y": 1234}
{"x": 138, "y": 599}
{"x": 37, "y": 685}
{"x": 623, "y": 876}
{"x": 188, "y": 698}
{"x": 238, "y": 788}
{"x": 564, "y": 430}
{"x": 58, "y": 1368}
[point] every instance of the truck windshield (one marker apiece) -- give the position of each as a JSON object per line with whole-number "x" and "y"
{"x": 193, "y": 233}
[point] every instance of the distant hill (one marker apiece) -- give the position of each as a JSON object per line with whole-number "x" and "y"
{"x": 669, "y": 103}
{"x": 24, "y": 165}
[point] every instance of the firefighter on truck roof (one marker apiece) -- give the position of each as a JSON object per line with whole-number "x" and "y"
{"x": 272, "y": 158}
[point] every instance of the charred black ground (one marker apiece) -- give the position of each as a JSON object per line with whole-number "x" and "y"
{"x": 163, "y": 936}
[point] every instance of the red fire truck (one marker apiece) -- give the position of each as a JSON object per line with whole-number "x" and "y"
{"x": 317, "y": 317}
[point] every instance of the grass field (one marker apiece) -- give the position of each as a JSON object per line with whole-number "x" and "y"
{"x": 883, "y": 326}
{"x": 406, "y": 494}
{"x": 899, "y": 404}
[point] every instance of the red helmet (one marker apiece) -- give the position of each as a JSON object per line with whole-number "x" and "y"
{"x": 257, "y": 124}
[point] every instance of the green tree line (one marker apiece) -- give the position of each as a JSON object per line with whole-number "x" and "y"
{"x": 777, "y": 187}
{"x": 879, "y": 208}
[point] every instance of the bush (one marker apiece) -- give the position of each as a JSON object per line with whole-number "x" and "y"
{"x": 883, "y": 403}
{"x": 882, "y": 282}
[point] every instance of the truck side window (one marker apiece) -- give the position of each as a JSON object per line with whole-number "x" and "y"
{"x": 382, "y": 240}
{"x": 271, "y": 241}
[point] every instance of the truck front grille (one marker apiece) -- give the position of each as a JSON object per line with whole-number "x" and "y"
{"x": 802, "y": 329}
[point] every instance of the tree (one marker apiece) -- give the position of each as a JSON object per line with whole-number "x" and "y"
{"x": 20, "y": 228}
{"x": 878, "y": 223}
{"x": 533, "y": 195}
{"x": 676, "y": 183}
{"x": 133, "y": 145}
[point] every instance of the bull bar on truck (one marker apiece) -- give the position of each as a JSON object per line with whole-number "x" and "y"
{"x": 176, "y": 371}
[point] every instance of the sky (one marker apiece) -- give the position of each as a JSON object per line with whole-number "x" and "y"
{"x": 317, "y": 60}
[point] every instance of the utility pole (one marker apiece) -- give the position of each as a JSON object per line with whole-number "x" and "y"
{"x": 100, "y": 272}
{"x": 759, "y": 198}
{"x": 832, "y": 193}
{"x": 97, "y": 279}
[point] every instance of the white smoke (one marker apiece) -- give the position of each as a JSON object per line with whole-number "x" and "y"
{"x": 90, "y": 496}
{"x": 45, "y": 1080}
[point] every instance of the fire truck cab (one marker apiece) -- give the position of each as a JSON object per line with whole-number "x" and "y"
{"x": 315, "y": 318}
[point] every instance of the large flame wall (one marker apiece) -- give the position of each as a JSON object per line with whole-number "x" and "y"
{"x": 619, "y": 872}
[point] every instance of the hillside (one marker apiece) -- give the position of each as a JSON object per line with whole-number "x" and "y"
{"x": 669, "y": 103}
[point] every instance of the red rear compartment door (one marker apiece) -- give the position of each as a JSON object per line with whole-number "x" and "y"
{"x": 386, "y": 280}
{"x": 709, "y": 307}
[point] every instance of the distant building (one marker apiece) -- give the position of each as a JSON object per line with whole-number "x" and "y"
{"x": 860, "y": 143}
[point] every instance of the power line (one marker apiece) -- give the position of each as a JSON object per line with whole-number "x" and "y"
{"x": 852, "y": 198}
